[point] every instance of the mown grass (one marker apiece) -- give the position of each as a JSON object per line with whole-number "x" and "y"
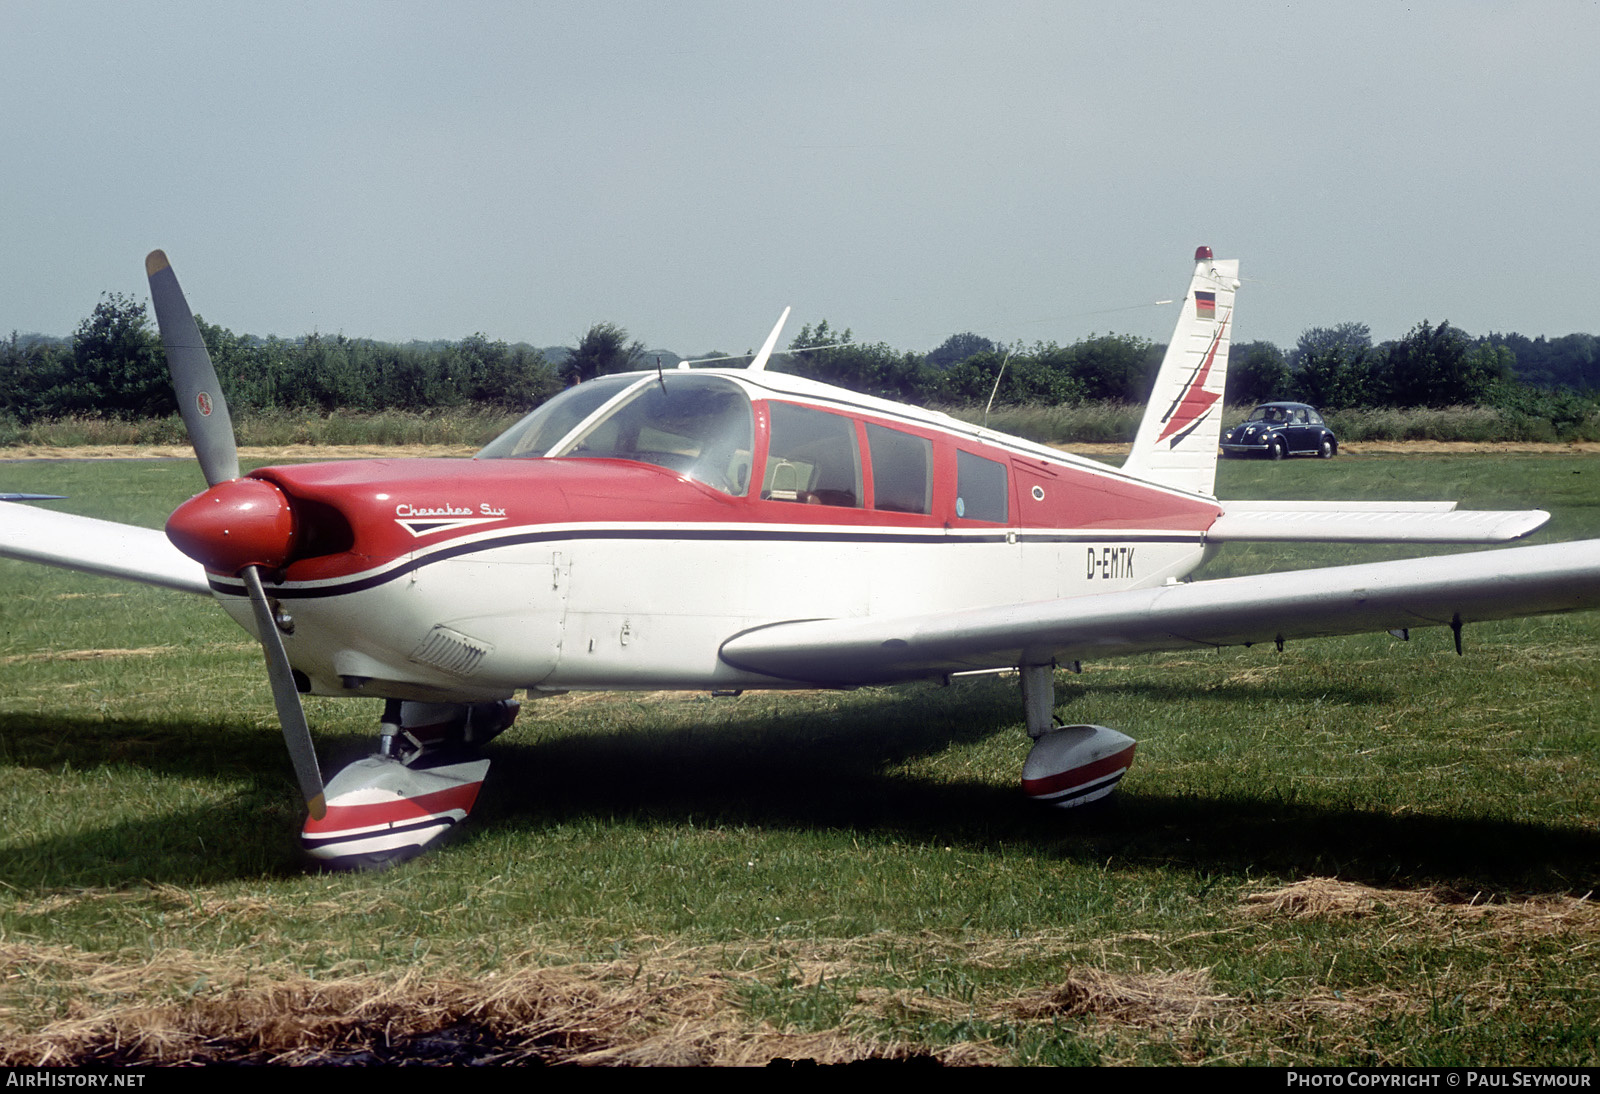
{"x": 1356, "y": 851}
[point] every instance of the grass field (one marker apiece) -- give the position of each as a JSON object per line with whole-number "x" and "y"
{"x": 1357, "y": 851}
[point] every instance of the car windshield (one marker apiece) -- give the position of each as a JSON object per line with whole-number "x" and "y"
{"x": 701, "y": 426}
{"x": 1269, "y": 414}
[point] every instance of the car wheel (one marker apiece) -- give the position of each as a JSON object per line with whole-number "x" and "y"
{"x": 1277, "y": 450}
{"x": 1327, "y": 449}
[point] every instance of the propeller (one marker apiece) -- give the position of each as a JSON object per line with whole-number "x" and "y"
{"x": 238, "y": 526}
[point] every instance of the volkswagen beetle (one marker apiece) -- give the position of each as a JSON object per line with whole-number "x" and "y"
{"x": 1276, "y": 430}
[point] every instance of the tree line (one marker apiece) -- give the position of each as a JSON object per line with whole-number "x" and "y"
{"x": 113, "y": 366}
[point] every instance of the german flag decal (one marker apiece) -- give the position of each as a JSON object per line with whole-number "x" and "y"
{"x": 1205, "y": 305}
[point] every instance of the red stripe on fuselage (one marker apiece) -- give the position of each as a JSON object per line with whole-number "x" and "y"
{"x": 382, "y": 501}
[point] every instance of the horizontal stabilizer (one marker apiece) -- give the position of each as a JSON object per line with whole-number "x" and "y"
{"x": 1376, "y": 524}
{"x": 101, "y": 547}
{"x": 1409, "y": 594}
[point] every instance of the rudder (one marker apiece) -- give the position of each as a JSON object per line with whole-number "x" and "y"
{"x": 1177, "y": 440}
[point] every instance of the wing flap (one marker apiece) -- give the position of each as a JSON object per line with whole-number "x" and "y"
{"x": 1374, "y": 524}
{"x": 1274, "y": 506}
{"x": 103, "y": 547}
{"x": 1378, "y": 596}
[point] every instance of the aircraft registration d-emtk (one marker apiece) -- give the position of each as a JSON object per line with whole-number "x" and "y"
{"x": 726, "y": 529}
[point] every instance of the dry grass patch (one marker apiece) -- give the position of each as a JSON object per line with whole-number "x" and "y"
{"x": 1324, "y": 898}
{"x": 1153, "y": 999}
{"x": 662, "y": 1009}
{"x": 669, "y": 1003}
{"x": 194, "y": 907}
{"x": 247, "y": 453}
{"x": 1173, "y": 1003}
{"x": 85, "y": 655}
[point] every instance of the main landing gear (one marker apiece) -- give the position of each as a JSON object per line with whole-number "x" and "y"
{"x": 422, "y": 781}
{"x": 1068, "y": 765}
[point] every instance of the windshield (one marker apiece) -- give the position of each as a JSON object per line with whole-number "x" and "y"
{"x": 701, "y": 426}
{"x": 1269, "y": 414}
{"x": 535, "y": 434}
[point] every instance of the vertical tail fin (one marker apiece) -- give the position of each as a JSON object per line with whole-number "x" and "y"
{"x": 1177, "y": 440}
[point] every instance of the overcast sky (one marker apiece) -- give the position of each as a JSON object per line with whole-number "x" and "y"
{"x": 907, "y": 169}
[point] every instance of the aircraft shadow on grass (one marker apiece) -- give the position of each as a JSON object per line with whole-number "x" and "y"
{"x": 801, "y": 770}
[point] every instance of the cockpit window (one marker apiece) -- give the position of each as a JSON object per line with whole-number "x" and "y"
{"x": 701, "y": 426}
{"x": 554, "y": 419}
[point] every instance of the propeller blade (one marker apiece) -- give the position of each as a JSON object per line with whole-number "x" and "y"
{"x": 200, "y": 399}
{"x": 291, "y": 715}
{"x": 205, "y": 416}
{"x": 771, "y": 343}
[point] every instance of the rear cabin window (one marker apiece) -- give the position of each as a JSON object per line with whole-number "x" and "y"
{"x": 812, "y": 458}
{"x": 902, "y": 470}
{"x": 981, "y": 489}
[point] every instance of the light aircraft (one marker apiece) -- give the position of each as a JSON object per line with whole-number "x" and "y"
{"x": 736, "y": 528}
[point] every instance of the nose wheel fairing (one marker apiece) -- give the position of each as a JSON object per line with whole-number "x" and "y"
{"x": 423, "y": 781}
{"x": 380, "y": 811}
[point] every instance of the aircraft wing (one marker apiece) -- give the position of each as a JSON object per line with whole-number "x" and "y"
{"x": 1368, "y": 522}
{"x": 101, "y": 547}
{"x": 1378, "y": 596}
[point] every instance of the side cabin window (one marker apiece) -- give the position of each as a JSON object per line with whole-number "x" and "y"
{"x": 812, "y": 457}
{"x": 902, "y": 470}
{"x": 981, "y": 488}
{"x": 700, "y": 426}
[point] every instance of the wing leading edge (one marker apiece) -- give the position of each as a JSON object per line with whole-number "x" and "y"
{"x": 1378, "y": 596}
{"x": 101, "y": 547}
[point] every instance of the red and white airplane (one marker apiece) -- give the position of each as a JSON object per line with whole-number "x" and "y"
{"x": 727, "y": 529}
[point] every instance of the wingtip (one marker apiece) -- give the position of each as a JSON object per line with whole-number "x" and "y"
{"x": 155, "y": 262}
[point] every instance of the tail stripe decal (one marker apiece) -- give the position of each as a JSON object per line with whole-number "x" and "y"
{"x": 1195, "y": 401}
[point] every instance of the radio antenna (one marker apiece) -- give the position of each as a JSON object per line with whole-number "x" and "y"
{"x": 996, "y": 390}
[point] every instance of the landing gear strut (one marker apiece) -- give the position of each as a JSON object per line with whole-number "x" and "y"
{"x": 421, "y": 783}
{"x": 409, "y": 731}
{"x": 1068, "y": 765}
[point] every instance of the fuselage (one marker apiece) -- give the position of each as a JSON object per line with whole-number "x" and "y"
{"x": 619, "y": 539}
